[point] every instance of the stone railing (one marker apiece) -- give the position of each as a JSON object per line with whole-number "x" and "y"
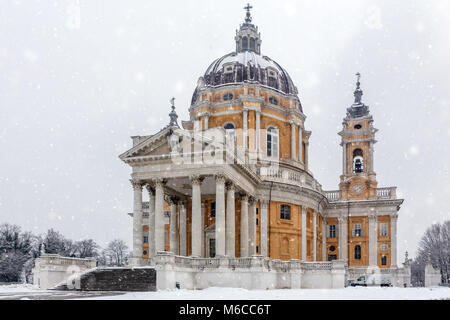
{"x": 241, "y": 263}
{"x": 289, "y": 177}
{"x": 57, "y": 260}
{"x": 317, "y": 265}
{"x": 387, "y": 193}
{"x": 332, "y": 196}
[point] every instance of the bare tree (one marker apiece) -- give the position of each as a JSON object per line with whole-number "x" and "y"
{"x": 116, "y": 253}
{"x": 86, "y": 249}
{"x": 434, "y": 245}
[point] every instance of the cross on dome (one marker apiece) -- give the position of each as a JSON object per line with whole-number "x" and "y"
{"x": 248, "y": 17}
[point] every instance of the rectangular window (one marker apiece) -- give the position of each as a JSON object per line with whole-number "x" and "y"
{"x": 384, "y": 229}
{"x": 213, "y": 209}
{"x": 331, "y": 231}
{"x": 285, "y": 212}
{"x": 357, "y": 230}
{"x": 145, "y": 238}
{"x": 383, "y": 260}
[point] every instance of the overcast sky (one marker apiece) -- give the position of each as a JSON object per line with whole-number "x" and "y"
{"x": 78, "y": 78}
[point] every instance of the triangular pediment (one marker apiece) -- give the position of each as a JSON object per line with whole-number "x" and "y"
{"x": 156, "y": 144}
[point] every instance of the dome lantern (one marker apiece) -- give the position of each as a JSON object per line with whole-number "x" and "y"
{"x": 247, "y": 37}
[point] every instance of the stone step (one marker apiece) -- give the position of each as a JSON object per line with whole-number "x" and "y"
{"x": 114, "y": 279}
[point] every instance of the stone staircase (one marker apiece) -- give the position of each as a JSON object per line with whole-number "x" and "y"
{"x": 112, "y": 279}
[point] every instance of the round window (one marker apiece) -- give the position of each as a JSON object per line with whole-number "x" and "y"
{"x": 273, "y": 100}
{"x": 144, "y": 253}
{"x": 227, "y": 96}
{"x": 358, "y": 126}
{"x": 332, "y": 248}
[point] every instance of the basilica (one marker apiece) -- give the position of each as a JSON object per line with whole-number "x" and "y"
{"x": 231, "y": 197}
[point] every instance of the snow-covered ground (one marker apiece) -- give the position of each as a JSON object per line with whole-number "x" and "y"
{"x": 30, "y": 292}
{"x": 300, "y": 294}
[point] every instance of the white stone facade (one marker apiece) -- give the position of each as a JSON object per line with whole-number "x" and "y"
{"x": 52, "y": 269}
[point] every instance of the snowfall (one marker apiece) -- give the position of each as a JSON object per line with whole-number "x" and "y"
{"x": 29, "y": 292}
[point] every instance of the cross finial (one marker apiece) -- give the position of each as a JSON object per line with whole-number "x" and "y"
{"x": 358, "y": 77}
{"x": 248, "y": 17}
{"x": 172, "y": 102}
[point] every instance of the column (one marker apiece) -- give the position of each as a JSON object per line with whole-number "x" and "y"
{"x": 300, "y": 143}
{"x": 159, "y": 215}
{"x": 314, "y": 236}
{"x": 258, "y": 132}
{"x": 370, "y": 169}
{"x": 306, "y": 155}
{"x": 344, "y": 157}
{"x": 263, "y": 231}
{"x": 342, "y": 238}
{"x": 196, "y": 225}
{"x": 304, "y": 233}
{"x": 293, "y": 141}
{"x": 245, "y": 129}
{"x": 373, "y": 241}
{"x": 324, "y": 239}
{"x": 252, "y": 227}
{"x": 230, "y": 222}
{"x": 220, "y": 215}
{"x": 151, "y": 221}
{"x": 173, "y": 227}
{"x": 244, "y": 226}
{"x": 183, "y": 243}
{"x": 138, "y": 235}
{"x": 206, "y": 121}
{"x": 202, "y": 230}
{"x": 394, "y": 218}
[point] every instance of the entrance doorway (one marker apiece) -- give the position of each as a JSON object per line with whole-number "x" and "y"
{"x": 212, "y": 248}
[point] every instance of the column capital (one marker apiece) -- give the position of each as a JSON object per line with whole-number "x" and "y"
{"x": 252, "y": 200}
{"x": 372, "y": 217}
{"x": 196, "y": 179}
{"x": 230, "y": 185}
{"x": 244, "y": 196}
{"x": 264, "y": 203}
{"x": 342, "y": 220}
{"x": 150, "y": 189}
{"x": 159, "y": 182}
{"x": 137, "y": 184}
{"x": 220, "y": 178}
{"x": 394, "y": 216}
{"x": 172, "y": 200}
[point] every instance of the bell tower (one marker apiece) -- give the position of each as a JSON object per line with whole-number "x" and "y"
{"x": 358, "y": 179}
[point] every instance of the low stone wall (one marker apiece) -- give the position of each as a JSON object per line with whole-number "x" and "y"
{"x": 432, "y": 276}
{"x": 251, "y": 273}
{"x": 51, "y": 269}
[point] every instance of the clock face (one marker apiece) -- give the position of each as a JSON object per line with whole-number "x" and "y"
{"x": 357, "y": 189}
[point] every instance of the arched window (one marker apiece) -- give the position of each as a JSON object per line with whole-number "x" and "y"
{"x": 230, "y": 129}
{"x": 272, "y": 142}
{"x": 252, "y": 44}
{"x": 358, "y": 161}
{"x": 227, "y": 96}
{"x": 244, "y": 43}
{"x": 273, "y": 100}
{"x": 358, "y": 252}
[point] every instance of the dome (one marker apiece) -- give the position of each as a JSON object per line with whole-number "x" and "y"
{"x": 250, "y": 67}
{"x": 247, "y": 65}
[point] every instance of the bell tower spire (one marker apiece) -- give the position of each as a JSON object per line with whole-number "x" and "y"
{"x": 358, "y": 179}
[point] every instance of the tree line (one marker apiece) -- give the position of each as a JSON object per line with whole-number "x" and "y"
{"x": 19, "y": 249}
{"x": 434, "y": 247}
